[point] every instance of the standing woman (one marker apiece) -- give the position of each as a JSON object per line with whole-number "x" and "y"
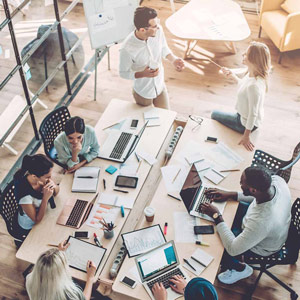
{"x": 34, "y": 189}
{"x": 251, "y": 94}
{"x": 77, "y": 145}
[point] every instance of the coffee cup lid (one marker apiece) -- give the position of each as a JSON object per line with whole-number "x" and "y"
{"x": 149, "y": 211}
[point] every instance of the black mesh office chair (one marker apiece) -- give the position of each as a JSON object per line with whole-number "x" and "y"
{"x": 287, "y": 255}
{"x": 51, "y": 127}
{"x": 276, "y": 166}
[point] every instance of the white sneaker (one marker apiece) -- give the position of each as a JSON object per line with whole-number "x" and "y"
{"x": 232, "y": 276}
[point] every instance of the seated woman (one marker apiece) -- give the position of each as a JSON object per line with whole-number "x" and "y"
{"x": 197, "y": 289}
{"x": 50, "y": 278}
{"x": 34, "y": 189}
{"x": 77, "y": 145}
{"x": 251, "y": 94}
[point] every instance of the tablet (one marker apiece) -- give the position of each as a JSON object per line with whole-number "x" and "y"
{"x": 79, "y": 252}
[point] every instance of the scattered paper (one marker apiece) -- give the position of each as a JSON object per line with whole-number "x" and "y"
{"x": 149, "y": 158}
{"x": 152, "y": 116}
{"x": 192, "y": 149}
{"x": 194, "y": 157}
{"x": 129, "y": 168}
{"x": 115, "y": 200}
{"x": 202, "y": 165}
{"x": 214, "y": 176}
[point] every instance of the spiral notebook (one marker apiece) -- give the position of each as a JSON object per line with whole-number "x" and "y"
{"x": 86, "y": 180}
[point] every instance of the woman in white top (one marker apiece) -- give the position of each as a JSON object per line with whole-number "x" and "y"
{"x": 50, "y": 278}
{"x": 251, "y": 94}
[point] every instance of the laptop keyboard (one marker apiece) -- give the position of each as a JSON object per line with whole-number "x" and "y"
{"x": 165, "y": 279}
{"x": 120, "y": 145}
{"x": 203, "y": 199}
{"x": 76, "y": 213}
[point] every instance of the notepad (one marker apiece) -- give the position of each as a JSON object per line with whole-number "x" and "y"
{"x": 152, "y": 116}
{"x": 86, "y": 180}
{"x": 214, "y": 176}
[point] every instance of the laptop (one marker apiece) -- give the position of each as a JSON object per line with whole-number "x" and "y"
{"x": 119, "y": 145}
{"x": 193, "y": 195}
{"x": 75, "y": 212}
{"x": 159, "y": 265}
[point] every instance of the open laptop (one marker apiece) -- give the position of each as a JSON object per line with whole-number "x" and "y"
{"x": 159, "y": 265}
{"x": 193, "y": 195}
{"x": 119, "y": 145}
{"x": 75, "y": 212}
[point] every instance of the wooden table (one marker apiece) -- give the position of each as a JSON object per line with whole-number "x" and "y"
{"x": 214, "y": 20}
{"x": 48, "y": 232}
{"x": 165, "y": 206}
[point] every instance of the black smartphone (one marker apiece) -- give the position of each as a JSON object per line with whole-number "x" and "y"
{"x": 81, "y": 234}
{"x": 134, "y": 124}
{"x": 211, "y": 139}
{"x": 204, "y": 229}
{"x": 129, "y": 282}
{"x": 126, "y": 181}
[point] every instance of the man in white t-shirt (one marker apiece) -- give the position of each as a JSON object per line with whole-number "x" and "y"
{"x": 141, "y": 59}
{"x": 261, "y": 223}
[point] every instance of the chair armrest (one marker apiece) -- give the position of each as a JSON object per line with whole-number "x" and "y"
{"x": 267, "y": 5}
{"x": 292, "y": 25}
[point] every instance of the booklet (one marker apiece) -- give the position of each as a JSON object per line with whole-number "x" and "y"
{"x": 86, "y": 180}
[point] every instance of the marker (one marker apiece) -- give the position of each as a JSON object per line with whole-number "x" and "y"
{"x": 122, "y": 211}
{"x": 202, "y": 243}
{"x": 97, "y": 241}
{"x": 117, "y": 190}
{"x": 187, "y": 262}
{"x": 165, "y": 228}
{"x": 104, "y": 184}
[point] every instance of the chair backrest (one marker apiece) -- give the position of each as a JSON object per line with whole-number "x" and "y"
{"x": 51, "y": 127}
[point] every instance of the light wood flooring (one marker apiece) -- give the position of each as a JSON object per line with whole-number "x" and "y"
{"x": 197, "y": 90}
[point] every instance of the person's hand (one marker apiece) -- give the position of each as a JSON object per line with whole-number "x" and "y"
{"x": 245, "y": 141}
{"x": 227, "y": 72}
{"x": 159, "y": 291}
{"x": 179, "y": 284}
{"x": 63, "y": 246}
{"x": 209, "y": 209}
{"x": 218, "y": 195}
{"x": 76, "y": 148}
{"x": 150, "y": 72}
{"x": 51, "y": 184}
{"x": 178, "y": 64}
{"x": 47, "y": 192}
{"x": 76, "y": 167}
{"x": 90, "y": 270}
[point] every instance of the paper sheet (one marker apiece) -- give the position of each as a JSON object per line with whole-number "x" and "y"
{"x": 152, "y": 116}
{"x": 149, "y": 158}
{"x": 115, "y": 200}
{"x": 192, "y": 149}
{"x": 135, "y": 273}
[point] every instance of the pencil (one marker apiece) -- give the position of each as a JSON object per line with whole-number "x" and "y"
{"x": 52, "y": 245}
{"x": 111, "y": 125}
{"x": 176, "y": 175}
{"x": 215, "y": 63}
{"x": 230, "y": 170}
{"x": 138, "y": 166}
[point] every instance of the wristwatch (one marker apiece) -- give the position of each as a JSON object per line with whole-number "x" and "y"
{"x": 216, "y": 215}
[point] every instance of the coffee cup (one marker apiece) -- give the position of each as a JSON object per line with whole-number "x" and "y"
{"x": 149, "y": 213}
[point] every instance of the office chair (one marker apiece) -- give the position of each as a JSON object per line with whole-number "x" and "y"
{"x": 51, "y": 127}
{"x": 277, "y": 166}
{"x": 287, "y": 255}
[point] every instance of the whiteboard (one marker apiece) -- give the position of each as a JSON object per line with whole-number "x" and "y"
{"x": 109, "y": 21}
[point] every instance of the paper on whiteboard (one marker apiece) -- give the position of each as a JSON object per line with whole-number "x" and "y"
{"x": 103, "y": 21}
{"x": 109, "y": 4}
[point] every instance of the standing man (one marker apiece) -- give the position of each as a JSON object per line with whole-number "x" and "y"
{"x": 141, "y": 59}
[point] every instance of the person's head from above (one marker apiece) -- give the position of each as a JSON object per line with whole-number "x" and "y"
{"x": 146, "y": 22}
{"x": 200, "y": 289}
{"x": 38, "y": 167}
{"x": 258, "y": 59}
{"x": 255, "y": 181}
{"x": 74, "y": 130}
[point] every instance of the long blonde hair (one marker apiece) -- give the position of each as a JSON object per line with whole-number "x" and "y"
{"x": 258, "y": 54}
{"x": 51, "y": 279}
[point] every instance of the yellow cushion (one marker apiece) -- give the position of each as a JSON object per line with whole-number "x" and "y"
{"x": 291, "y": 6}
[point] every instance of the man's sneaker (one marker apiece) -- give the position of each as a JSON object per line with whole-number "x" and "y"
{"x": 232, "y": 276}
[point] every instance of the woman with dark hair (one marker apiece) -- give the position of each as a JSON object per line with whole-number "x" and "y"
{"x": 77, "y": 145}
{"x": 34, "y": 189}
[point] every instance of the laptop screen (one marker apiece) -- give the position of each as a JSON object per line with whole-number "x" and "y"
{"x": 157, "y": 260}
{"x": 190, "y": 188}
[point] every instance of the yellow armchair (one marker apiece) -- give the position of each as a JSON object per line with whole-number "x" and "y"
{"x": 282, "y": 27}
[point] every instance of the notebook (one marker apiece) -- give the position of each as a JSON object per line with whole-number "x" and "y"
{"x": 86, "y": 180}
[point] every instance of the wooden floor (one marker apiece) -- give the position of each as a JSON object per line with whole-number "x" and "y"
{"x": 197, "y": 90}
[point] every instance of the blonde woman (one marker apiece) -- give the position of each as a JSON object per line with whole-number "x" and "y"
{"x": 50, "y": 278}
{"x": 251, "y": 94}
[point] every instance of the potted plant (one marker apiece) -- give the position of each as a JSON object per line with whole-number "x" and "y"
{"x": 108, "y": 228}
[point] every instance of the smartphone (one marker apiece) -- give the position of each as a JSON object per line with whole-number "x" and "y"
{"x": 211, "y": 139}
{"x": 82, "y": 234}
{"x": 134, "y": 124}
{"x": 129, "y": 282}
{"x": 204, "y": 229}
{"x": 126, "y": 181}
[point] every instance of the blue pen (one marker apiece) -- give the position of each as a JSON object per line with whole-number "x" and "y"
{"x": 122, "y": 211}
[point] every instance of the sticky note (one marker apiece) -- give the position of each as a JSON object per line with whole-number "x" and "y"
{"x": 111, "y": 169}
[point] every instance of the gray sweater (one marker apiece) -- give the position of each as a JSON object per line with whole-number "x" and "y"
{"x": 265, "y": 226}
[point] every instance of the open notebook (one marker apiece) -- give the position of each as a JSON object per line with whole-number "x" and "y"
{"x": 86, "y": 180}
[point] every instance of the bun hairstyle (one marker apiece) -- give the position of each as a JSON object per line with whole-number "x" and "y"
{"x": 37, "y": 165}
{"x": 75, "y": 124}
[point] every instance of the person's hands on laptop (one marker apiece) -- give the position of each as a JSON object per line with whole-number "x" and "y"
{"x": 159, "y": 291}
{"x": 209, "y": 209}
{"x": 178, "y": 284}
{"x": 218, "y": 195}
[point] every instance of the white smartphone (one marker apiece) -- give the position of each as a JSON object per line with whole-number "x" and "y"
{"x": 82, "y": 234}
{"x": 134, "y": 124}
{"x": 129, "y": 282}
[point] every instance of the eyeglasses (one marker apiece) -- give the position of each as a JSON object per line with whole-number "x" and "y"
{"x": 196, "y": 119}
{"x": 155, "y": 26}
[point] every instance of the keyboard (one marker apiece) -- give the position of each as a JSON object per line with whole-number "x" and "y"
{"x": 165, "y": 279}
{"x": 203, "y": 199}
{"x": 76, "y": 213}
{"x": 120, "y": 145}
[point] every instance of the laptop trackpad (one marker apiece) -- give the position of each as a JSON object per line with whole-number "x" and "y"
{"x": 172, "y": 295}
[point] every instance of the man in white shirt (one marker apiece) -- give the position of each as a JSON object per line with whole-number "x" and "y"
{"x": 141, "y": 59}
{"x": 260, "y": 229}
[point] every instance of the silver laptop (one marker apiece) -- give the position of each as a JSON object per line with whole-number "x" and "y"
{"x": 119, "y": 145}
{"x": 159, "y": 265}
{"x": 193, "y": 195}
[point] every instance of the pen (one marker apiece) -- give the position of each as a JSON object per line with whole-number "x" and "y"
{"x": 202, "y": 243}
{"x": 104, "y": 184}
{"x": 187, "y": 262}
{"x": 230, "y": 170}
{"x": 198, "y": 261}
{"x": 165, "y": 228}
{"x": 138, "y": 166}
{"x": 176, "y": 175}
{"x": 52, "y": 245}
{"x": 111, "y": 125}
{"x": 117, "y": 190}
{"x": 137, "y": 157}
{"x": 122, "y": 211}
{"x": 97, "y": 241}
